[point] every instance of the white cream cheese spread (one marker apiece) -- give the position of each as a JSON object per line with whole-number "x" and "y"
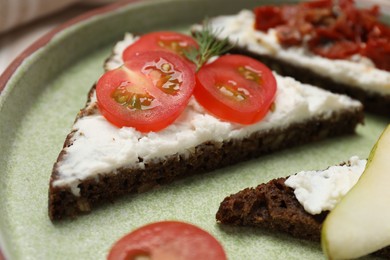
{"x": 319, "y": 191}
{"x": 357, "y": 71}
{"x": 99, "y": 147}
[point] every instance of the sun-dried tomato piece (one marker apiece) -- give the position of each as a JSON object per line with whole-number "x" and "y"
{"x": 331, "y": 44}
{"x": 289, "y": 12}
{"x": 268, "y": 17}
{"x": 336, "y": 49}
{"x": 334, "y": 30}
{"x": 378, "y": 50}
{"x": 379, "y": 31}
{"x": 318, "y": 16}
{"x": 318, "y": 4}
{"x": 289, "y": 35}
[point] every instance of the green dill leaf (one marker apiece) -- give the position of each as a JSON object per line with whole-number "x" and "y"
{"x": 209, "y": 46}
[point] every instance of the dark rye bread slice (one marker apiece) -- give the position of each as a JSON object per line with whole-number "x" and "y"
{"x": 203, "y": 158}
{"x": 273, "y": 206}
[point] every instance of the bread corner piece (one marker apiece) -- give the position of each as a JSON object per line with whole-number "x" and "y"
{"x": 273, "y": 206}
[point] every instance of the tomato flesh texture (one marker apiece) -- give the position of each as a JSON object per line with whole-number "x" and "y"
{"x": 168, "y": 240}
{"x": 147, "y": 93}
{"x": 162, "y": 41}
{"x": 236, "y": 88}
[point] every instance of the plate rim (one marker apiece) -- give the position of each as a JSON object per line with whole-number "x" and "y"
{"x": 12, "y": 69}
{"x": 42, "y": 41}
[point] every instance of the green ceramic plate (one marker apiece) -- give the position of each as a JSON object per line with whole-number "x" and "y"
{"x": 42, "y": 95}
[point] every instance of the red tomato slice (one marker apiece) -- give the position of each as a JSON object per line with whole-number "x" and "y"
{"x": 168, "y": 240}
{"x": 149, "y": 92}
{"x": 236, "y": 88}
{"x": 162, "y": 41}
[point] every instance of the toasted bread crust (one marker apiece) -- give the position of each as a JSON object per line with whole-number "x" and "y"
{"x": 273, "y": 206}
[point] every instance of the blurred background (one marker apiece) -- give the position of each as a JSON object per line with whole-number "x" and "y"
{"x": 24, "y": 21}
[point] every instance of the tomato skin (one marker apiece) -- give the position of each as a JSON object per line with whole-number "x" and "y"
{"x": 152, "y": 99}
{"x": 225, "y": 92}
{"x": 168, "y": 240}
{"x": 162, "y": 41}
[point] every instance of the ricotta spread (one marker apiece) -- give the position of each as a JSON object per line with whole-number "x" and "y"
{"x": 319, "y": 191}
{"x": 99, "y": 147}
{"x": 358, "y": 71}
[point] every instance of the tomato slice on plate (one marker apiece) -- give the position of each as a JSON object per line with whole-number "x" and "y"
{"x": 174, "y": 42}
{"x": 236, "y": 88}
{"x": 148, "y": 92}
{"x": 167, "y": 240}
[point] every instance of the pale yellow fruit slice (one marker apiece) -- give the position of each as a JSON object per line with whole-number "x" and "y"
{"x": 360, "y": 223}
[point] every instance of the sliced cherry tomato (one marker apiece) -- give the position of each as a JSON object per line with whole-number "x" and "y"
{"x": 167, "y": 240}
{"x": 149, "y": 92}
{"x": 162, "y": 41}
{"x": 236, "y": 88}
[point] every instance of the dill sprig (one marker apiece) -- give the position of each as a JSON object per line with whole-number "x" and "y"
{"x": 209, "y": 46}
